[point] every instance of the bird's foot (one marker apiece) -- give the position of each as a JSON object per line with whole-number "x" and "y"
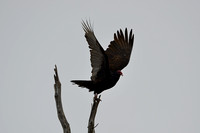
{"x": 96, "y": 98}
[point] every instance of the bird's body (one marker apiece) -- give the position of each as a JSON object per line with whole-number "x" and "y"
{"x": 106, "y": 65}
{"x": 100, "y": 86}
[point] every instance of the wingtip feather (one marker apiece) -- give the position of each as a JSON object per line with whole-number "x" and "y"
{"x": 87, "y": 26}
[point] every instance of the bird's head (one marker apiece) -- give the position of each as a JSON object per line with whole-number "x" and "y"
{"x": 120, "y": 72}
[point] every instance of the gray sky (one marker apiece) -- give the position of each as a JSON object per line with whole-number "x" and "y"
{"x": 159, "y": 92}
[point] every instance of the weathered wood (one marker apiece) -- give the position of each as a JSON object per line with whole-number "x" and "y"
{"x": 60, "y": 112}
{"x": 93, "y": 112}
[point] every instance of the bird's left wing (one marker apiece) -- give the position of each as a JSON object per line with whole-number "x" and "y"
{"x": 119, "y": 50}
{"x": 99, "y": 60}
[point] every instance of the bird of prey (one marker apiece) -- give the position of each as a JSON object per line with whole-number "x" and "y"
{"x": 106, "y": 64}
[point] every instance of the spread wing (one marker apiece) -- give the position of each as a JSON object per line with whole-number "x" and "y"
{"x": 99, "y": 60}
{"x": 119, "y": 50}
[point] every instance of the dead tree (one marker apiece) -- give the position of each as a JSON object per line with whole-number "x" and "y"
{"x": 61, "y": 114}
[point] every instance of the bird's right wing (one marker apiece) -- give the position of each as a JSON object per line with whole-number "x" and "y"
{"x": 99, "y": 60}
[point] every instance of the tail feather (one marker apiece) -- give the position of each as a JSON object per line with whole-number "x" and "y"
{"x": 84, "y": 84}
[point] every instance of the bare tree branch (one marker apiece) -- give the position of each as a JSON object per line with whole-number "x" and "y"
{"x": 93, "y": 112}
{"x": 60, "y": 112}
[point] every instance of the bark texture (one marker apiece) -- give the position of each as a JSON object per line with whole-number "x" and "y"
{"x": 58, "y": 99}
{"x": 61, "y": 114}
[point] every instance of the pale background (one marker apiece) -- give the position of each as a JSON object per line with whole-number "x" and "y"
{"x": 159, "y": 92}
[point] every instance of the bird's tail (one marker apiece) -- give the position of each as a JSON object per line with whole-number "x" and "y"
{"x": 84, "y": 84}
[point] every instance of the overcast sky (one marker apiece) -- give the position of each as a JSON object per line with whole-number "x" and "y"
{"x": 159, "y": 92}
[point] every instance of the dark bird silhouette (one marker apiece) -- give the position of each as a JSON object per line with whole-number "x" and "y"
{"x": 106, "y": 65}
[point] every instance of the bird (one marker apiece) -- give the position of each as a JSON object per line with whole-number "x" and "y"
{"x": 106, "y": 64}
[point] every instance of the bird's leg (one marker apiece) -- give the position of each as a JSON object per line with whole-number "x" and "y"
{"x": 95, "y": 96}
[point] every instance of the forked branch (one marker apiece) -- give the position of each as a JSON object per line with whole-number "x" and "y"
{"x": 60, "y": 112}
{"x": 93, "y": 112}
